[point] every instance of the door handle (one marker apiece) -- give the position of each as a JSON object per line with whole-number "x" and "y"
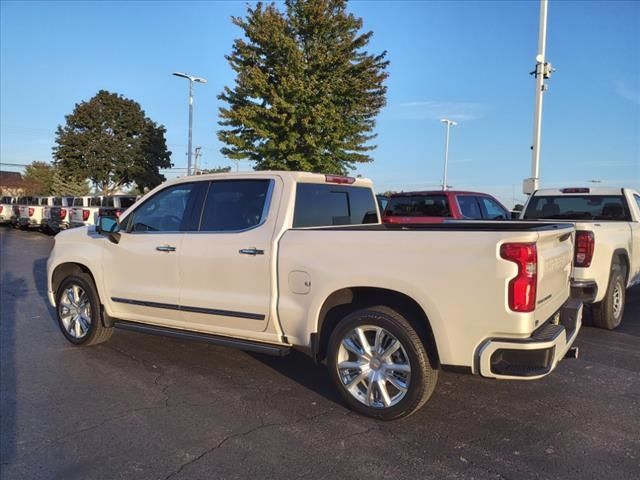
{"x": 251, "y": 251}
{"x": 166, "y": 248}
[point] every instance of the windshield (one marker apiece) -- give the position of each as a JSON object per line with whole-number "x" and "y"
{"x": 578, "y": 207}
{"x": 418, "y": 206}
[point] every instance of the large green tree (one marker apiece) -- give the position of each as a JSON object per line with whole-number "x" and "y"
{"x": 306, "y": 92}
{"x": 68, "y": 185}
{"x": 111, "y": 141}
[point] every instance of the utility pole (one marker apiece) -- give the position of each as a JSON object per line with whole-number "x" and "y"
{"x": 191, "y": 79}
{"x": 449, "y": 124}
{"x": 197, "y": 154}
{"x": 542, "y": 72}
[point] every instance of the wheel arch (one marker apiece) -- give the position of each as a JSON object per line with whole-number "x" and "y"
{"x": 621, "y": 257}
{"x": 346, "y": 300}
{"x": 67, "y": 269}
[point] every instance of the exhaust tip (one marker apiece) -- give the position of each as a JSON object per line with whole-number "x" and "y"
{"x": 573, "y": 352}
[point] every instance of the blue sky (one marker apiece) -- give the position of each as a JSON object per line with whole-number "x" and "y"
{"x": 466, "y": 60}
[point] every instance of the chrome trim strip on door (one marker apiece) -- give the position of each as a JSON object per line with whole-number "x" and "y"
{"x": 182, "y": 308}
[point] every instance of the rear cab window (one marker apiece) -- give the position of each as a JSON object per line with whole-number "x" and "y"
{"x": 578, "y": 207}
{"x": 418, "y": 206}
{"x": 324, "y": 205}
{"x": 126, "y": 202}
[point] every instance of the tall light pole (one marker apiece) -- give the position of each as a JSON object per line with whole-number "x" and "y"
{"x": 542, "y": 72}
{"x": 449, "y": 124}
{"x": 191, "y": 79}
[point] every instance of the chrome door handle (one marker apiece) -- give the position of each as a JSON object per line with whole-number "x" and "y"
{"x": 166, "y": 248}
{"x": 251, "y": 251}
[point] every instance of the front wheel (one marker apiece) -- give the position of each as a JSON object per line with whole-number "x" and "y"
{"x": 380, "y": 365}
{"x": 78, "y": 310}
{"x": 608, "y": 313}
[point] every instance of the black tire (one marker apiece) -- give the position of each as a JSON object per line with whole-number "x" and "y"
{"x": 423, "y": 377}
{"x": 96, "y": 332}
{"x": 608, "y": 313}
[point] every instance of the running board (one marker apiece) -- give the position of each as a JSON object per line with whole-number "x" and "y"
{"x": 266, "y": 348}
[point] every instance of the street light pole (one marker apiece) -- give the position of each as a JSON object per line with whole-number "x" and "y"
{"x": 449, "y": 124}
{"x": 190, "y": 142}
{"x": 542, "y": 72}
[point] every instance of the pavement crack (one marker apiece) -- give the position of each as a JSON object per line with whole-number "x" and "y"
{"x": 100, "y": 424}
{"x": 242, "y": 434}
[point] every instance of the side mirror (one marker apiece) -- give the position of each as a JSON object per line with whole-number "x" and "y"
{"x": 515, "y": 215}
{"x": 109, "y": 227}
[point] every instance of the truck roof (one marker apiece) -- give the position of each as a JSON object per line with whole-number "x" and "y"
{"x": 305, "y": 177}
{"x": 437, "y": 192}
{"x": 548, "y": 192}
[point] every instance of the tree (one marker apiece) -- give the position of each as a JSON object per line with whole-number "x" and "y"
{"x": 306, "y": 92}
{"x": 38, "y": 178}
{"x": 111, "y": 141}
{"x": 67, "y": 185}
{"x": 215, "y": 170}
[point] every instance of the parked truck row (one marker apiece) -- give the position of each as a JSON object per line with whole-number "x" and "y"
{"x": 386, "y": 291}
{"x": 52, "y": 214}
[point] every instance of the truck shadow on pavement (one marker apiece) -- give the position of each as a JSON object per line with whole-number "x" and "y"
{"x": 304, "y": 371}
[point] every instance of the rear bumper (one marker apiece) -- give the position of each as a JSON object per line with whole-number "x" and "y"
{"x": 534, "y": 357}
{"x": 28, "y": 223}
{"x": 585, "y": 290}
{"x": 54, "y": 225}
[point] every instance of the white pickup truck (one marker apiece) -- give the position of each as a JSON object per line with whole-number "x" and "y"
{"x": 607, "y": 251}
{"x": 270, "y": 261}
{"x": 85, "y": 211}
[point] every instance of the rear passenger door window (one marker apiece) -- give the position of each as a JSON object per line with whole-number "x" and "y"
{"x": 469, "y": 207}
{"x": 235, "y": 205}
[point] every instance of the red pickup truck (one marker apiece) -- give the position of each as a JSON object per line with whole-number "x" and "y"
{"x": 440, "y": 205}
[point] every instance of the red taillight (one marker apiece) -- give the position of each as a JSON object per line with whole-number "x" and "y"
{"x": 522, "y": 289}
{"x": 1, "y": 208}
{"x": 63, "y": 213}
{"x": 339, "y": 179}
{"x": 85, "y": 215}
{"x": 31, "y": 210}
{"x": 585, "y": 244}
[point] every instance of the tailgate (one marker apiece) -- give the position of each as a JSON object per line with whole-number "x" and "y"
{"x": 76, "y": 214}
{"x": 555, "y": 253}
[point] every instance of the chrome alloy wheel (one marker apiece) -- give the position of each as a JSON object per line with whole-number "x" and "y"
{"x": 75, "y": 311}
{"x": 618, "y": 300}
{"x": 374, "y": 366}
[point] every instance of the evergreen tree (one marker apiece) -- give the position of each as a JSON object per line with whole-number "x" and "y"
{"x": 111, "y": 141}
{"x": 306, "y": 92}
{"x": 65, "y": 185}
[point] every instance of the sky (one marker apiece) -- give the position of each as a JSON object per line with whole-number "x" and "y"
{"x": 465, "y": 60}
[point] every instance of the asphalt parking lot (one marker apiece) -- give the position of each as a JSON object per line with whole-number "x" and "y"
{"x": 149, "y": 407}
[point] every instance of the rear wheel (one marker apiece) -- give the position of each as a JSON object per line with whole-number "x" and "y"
{"x": 608, "y": 313}
{"x": 379, "y": 364}
{"x": 78, "y": 310}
